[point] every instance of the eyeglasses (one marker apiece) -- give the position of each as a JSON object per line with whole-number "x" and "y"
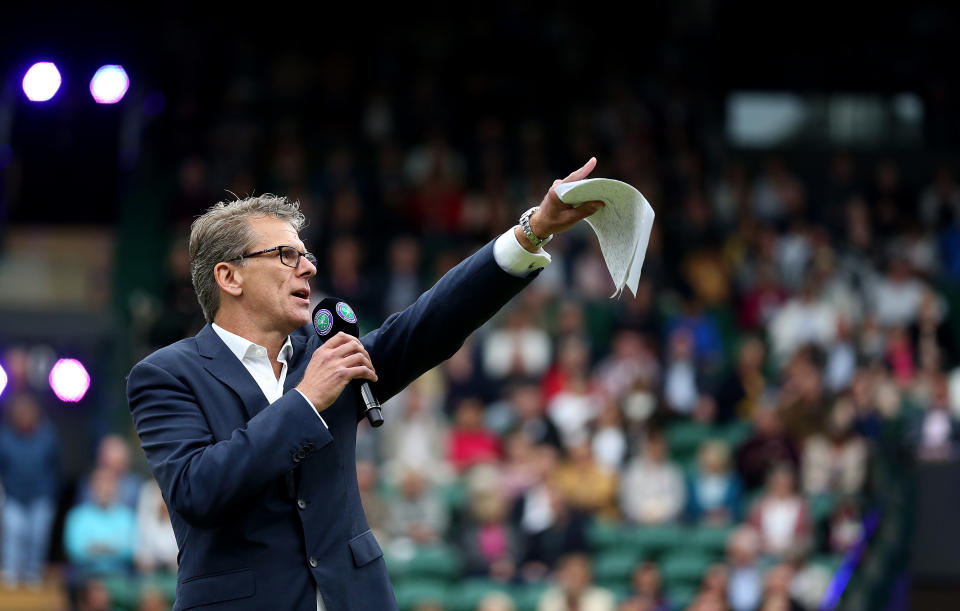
{"x": 289, "y": 255}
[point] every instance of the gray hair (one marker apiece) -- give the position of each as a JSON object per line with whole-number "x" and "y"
{"x": 222, "y": 233}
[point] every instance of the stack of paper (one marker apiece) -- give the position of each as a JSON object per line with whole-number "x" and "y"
{"x": 622, "y": 226}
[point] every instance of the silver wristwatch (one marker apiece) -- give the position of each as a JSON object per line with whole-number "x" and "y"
{"x": 535, "y": 240}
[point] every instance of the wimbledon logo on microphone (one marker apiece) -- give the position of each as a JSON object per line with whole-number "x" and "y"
{"x": 346, "y": 312}
{"x": 323, "y": 321}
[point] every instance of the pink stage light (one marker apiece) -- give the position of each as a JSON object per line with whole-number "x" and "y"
{"x": 3, "y": 380}
{"x": 69, "y": 380}
{"x": 109, "y": 84}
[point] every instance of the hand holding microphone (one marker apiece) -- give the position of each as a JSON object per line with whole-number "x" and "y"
{"x": 339, "y": 360}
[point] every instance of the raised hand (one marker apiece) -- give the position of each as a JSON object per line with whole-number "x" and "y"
{"x": 554, "y": 216}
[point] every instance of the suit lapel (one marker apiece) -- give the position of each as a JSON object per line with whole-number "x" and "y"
{"x": 224, "y": 365}
{"x": 298, "y": 362}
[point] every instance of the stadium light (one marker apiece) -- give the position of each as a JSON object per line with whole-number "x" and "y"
{"x": 69, "y": 380}
{"x": 109, "y": 84}
{"x": 3, "y": 380}
{"x": 41, "y": 81}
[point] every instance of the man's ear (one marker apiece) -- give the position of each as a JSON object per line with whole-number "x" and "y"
{"x": 229, "y": 278}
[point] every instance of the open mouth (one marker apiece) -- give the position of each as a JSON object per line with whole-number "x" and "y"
{"x": 302, "y": 294}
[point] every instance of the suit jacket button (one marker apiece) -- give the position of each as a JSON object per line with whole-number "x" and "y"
{"x": 300, "y": 455}
{"x": 302, "y": 504}
{"x": 313, "y": 562}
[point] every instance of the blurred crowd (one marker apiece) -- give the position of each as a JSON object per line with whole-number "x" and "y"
{"x": 579, "y": 448}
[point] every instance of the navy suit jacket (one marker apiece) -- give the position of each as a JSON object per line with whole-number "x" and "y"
{"x": 264, "y": 500}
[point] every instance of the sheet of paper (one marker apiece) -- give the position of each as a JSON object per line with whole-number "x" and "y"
{"x": 623, "y": 226}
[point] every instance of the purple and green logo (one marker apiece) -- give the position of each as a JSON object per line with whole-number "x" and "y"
{"x": 323, "y": 321}
{"x": 346, "y": 312}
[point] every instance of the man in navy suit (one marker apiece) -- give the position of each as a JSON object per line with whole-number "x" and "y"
{"x": 246, "y": 426}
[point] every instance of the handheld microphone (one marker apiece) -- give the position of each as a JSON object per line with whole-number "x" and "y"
{"x": 331, "y": 316}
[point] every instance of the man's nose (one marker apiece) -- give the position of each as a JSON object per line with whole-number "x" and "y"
{"x": 306, "y": 269}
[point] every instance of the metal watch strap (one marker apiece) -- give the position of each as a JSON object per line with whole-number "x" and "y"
{"x": 535, "y": 240}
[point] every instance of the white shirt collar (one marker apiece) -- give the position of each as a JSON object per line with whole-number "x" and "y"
{"x": 244, "y": 348}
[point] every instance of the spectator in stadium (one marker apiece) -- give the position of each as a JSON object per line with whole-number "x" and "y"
{"x": 526, "y": 403}
{"x": 745, "y": 583}
{"x": 781, "y": 515}
{"x": 652, "y": 490}
{"x": 714, "y": 492}
{"x": 647, "y": 583}
{"x": 743, "y": 388}
{"x": 835, "y": 462}
{"x": 417, "y": 514}
{"x": 610, "y": 443}
{"x": 29, "y": 474}
{"x": 517, "y": 350}
{"x": 565, "y": 532}
{"x": 402, "y": 286}
{"x": 156, "y": 549}
{"x": 417, "y": 438}
{"x": 93, "y": 595}
{"x": 575, "y": 589}
{"x": 99, "y": 535}
{"x": 586, "y": 484}
{"x": 113, "y": 454}
{"x": 470, "y": 442}
{"x": 488, "y": 542}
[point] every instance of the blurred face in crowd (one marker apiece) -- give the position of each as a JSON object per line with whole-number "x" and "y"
{"x": 273, "y": 296}
{"x": 713, "y": 458}
{"x": 575, "y": 574}
{"x": 103, "y": 484}
{"x": 646, "y": 579}
{"x": 469, "y": 415}
{"x": 655, "y": 450}
{"x": 526, "y": 401}
{"x": 780, "y": 482}
{"x": 24, "y": 414}
{"x": 114, "y": 454}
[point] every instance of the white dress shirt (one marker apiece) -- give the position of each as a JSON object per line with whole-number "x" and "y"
{"x": 507, "y": 252}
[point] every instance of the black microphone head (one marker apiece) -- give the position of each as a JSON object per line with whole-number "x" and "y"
{"x": 332, "y": 316}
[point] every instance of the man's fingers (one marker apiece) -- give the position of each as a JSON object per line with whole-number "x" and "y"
{"x": 361, "y": 371}
{"x": 582, "y": 172}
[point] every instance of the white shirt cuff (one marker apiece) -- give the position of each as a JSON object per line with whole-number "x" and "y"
{"x": 310, "y": 403}
{"x": 515, "y": 259}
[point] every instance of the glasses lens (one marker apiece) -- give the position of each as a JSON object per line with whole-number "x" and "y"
{"x": 289, "y": 256}
{"x": 309, "y": 257}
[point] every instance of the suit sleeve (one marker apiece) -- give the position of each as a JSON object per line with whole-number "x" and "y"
{"x": 200, "y": 477}
{"x": 435, "y": 326}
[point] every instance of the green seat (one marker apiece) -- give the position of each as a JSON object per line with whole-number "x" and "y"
{"x": 124, "y": 592}
{"x": 710, "y": 539}
{"x": 412, "y": 593}
{"x": 685, "y": 437}
{"x": 467, "y": 594}
{"x": 684, "y": 568}
{"x": 821, "y": 506}
{"x": 527, "y": 597}
{"x": 654, "y": 540}
{"x": 612, "y": 569}
{"x": 680, "y": 597}
{"x": 437, "y": 562}
{"x": 603, "y": 534}
{"x": 828, "y": 561}
{"x": 736, "y": 433}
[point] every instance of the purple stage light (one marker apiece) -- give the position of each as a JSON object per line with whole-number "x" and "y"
{"x": 69, "y": 380}
{"x": 109, "y": 84}
{"x": 41, "y": 81}
{"x": 3, "y": 380}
